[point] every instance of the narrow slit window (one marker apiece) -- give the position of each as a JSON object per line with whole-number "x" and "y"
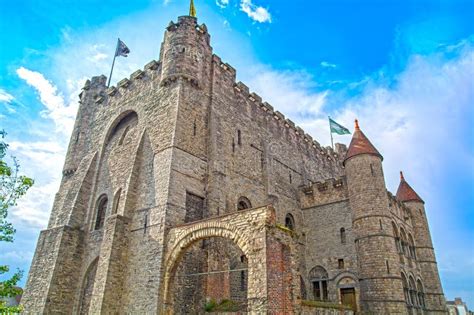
{"x": 239, "y": 137}
{"x": 342, "y": 232}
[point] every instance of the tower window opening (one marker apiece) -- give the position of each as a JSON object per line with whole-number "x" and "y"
{"x": 243, "y": 203}
{"x": 194, "y": 128}
{"x": 239, "y": 137}
{"x": 388, "y": 267}
{"x": 100, "y": 216}
{"x": 372, "y": 170}
{"x": 289, "y": 222}
{"x": 145, "y": 224}
{"x": 290, "y": 177}
{"x": 340, "y": 263}
{"x": 342, "y": 233}
{"x": 233, "y": 145}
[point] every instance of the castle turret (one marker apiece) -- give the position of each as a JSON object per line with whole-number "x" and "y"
{"x": 186, "y": 51}
{"x": 381, "y": 290}
{"x": 433, "y": 292}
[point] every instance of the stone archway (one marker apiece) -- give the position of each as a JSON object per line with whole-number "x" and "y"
{"x": 253, "y": 231}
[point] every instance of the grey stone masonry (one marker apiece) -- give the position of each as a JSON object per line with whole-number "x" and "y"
{"x": 180, "y": 179}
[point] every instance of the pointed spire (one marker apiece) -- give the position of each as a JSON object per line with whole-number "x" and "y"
{"x": 360, "y": 144}
{"x": 405, "y": 192}
{"x": 192, "y": 9}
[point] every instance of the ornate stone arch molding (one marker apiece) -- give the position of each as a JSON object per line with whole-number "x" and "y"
{"x": 253, "y": 231}
{"x": 346, "y": 274}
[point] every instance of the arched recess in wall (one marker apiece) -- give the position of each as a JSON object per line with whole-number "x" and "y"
{"x": 403, "y": 237}
{"x": 411, "y": 246}
{"x": 318, "y": 276}
{"x": 243, "y": 203}
{"x": 121, "y": 126}
{"x": 412, "y": 289}
{"x": 290, "y": 221}
{"x": 88, "y": 287}
{"x": 178, "y": 250}
{"x": 421, "y": 293}
{"x": 101, "y": 210}
{"x": 397, "y": 238}
{"x": 405, "y": 289}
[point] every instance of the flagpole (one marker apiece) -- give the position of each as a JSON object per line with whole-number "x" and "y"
{"x": 330, "y": 132}
{"x": 113, "y": 63}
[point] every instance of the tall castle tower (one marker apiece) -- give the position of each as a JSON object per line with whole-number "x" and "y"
{"x": 434, "y": 297}
{"x": 381, "y": 288}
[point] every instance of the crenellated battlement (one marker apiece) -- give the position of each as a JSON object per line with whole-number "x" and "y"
{"x": 320, "y": 193}
{"x": 268, "y": 109}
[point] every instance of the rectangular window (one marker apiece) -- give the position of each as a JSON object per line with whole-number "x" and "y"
{"x": 340, "y": 263}
{"x": 194, "y": 208}
{"x": 317, "y": 290}
{"x": 325, "y": 290}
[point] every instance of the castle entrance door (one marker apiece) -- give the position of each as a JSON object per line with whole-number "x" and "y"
{"x": 348, "y": 297}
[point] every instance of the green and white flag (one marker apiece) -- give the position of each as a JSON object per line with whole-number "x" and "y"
{"x": 336, "y": 128}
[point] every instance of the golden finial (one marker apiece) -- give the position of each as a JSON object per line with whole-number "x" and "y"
{"x": 192, "y": 9}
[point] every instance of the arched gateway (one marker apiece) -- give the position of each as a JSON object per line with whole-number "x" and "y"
{"x": 266, "y": 248}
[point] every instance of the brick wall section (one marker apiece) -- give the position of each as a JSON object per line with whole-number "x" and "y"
{"x": 279, "y": 276}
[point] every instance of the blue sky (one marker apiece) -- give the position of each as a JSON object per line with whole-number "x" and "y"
{"x": 404, "y": 68}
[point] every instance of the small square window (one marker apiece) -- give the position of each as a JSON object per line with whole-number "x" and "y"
{"x": 340, "y": 263}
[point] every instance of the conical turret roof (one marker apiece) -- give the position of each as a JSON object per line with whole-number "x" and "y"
{"x": 360, "y": 144}
{"x": 405, "y": 192}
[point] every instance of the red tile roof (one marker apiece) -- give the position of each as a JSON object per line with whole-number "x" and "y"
{"x": 360, "y": 144}
{"x": 405, "y": 192}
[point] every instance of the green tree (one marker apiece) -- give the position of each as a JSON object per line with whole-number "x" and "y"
{"x": 12, "y": 187}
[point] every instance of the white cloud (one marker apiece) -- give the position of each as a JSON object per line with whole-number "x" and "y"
{"x": 222, "y": 3}
{"x": 56, "y": 109}
{"x": 290, "y": 92}
{"x": 43, "y": 161}
{"x": 5, "y": 96}
{"x": 256, "y": 13}
{"x": 326, "y": 64}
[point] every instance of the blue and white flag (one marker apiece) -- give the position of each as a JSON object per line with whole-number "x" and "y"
{"x": 122, "y": 49}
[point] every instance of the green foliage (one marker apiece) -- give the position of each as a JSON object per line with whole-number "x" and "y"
{"x": 12, "y": 187}
{"x": 224, "y": 306}
{"x": 209, "y": 306}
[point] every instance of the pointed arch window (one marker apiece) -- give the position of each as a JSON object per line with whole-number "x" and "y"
{"x": 397, "y": 239}
{"x": 243, "y": 203}
{"x": 319, "y": 279}
{"x": 100, "y": 213}
{"x": 421, "y": 294}
{"x": 290, "y": 221}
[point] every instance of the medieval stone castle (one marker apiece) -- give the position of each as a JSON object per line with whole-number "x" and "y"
{"x": 182, "y": 190}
